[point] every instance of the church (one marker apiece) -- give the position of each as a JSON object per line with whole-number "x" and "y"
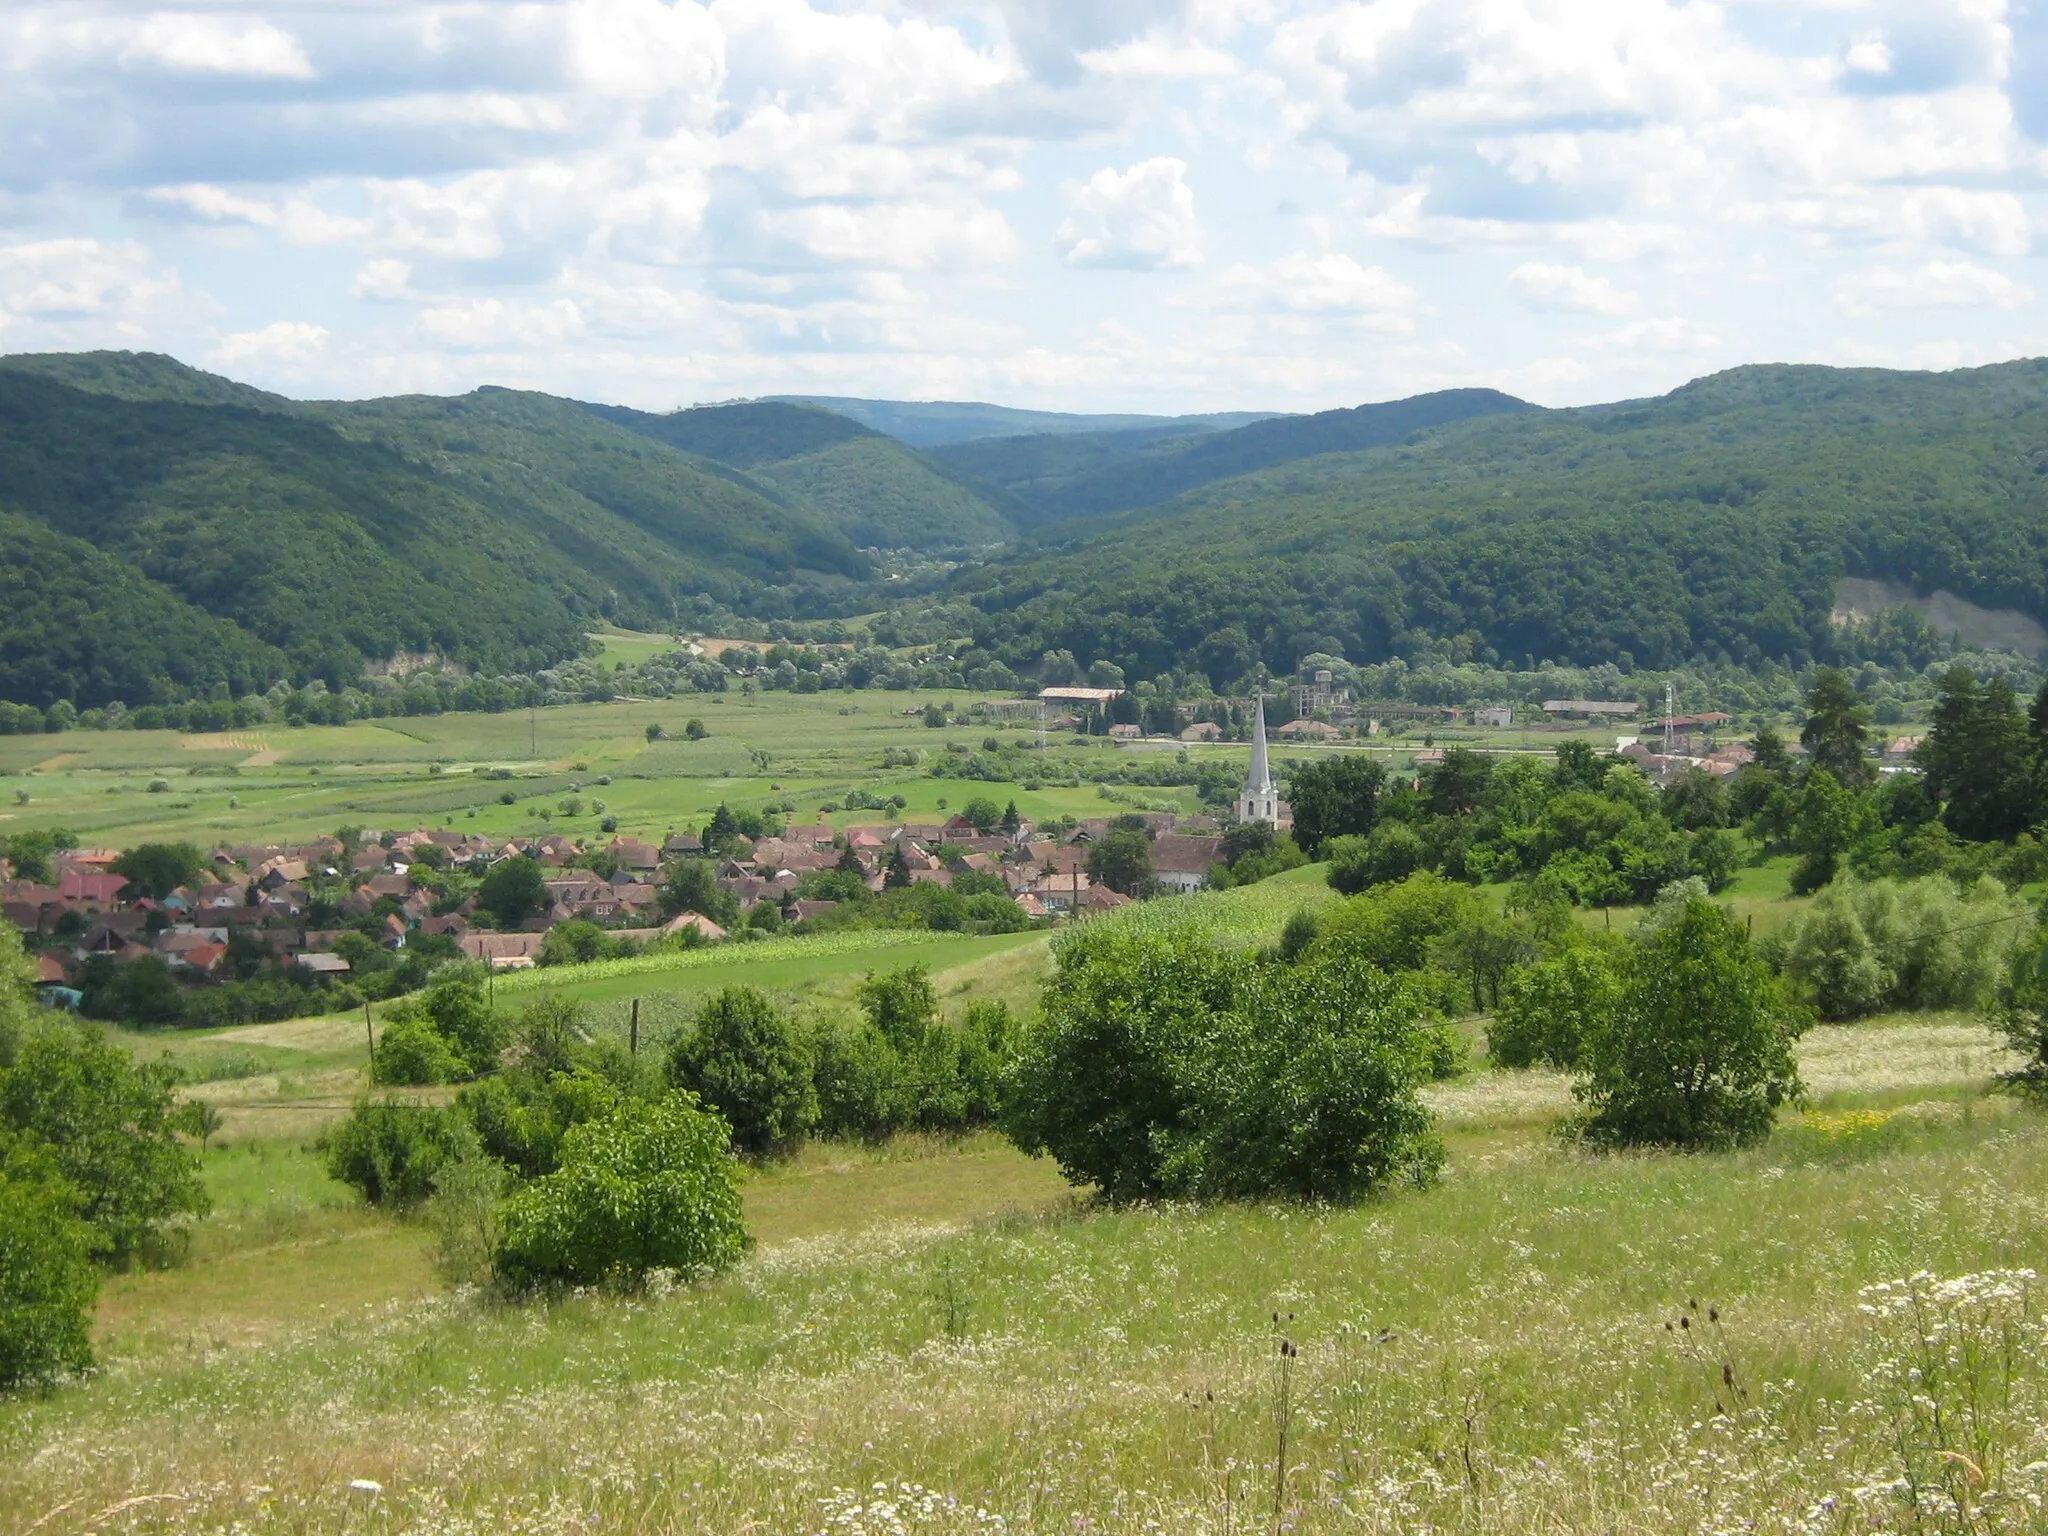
{"x": 1259, "y": 800}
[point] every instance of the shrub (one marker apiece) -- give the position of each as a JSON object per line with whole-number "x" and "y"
{"x": 412, "y": 1053}
{"x": 2022, "y": 1015}
{"x": 650, "y": 1186}
{"x": 856, "y": 1073}
{"x": 521, "y": 1116}
{"x": 1392, "y": 851}
{"x": 744, "y": 1058}
{"x": 464, "y": 1211}
{"x": 1699, "y": 1051}
{"x": 389, "y": 1152}
{"x": 1547, "y": 1010}
{"x": 1163, "y": 1065}
{"x": 47, "y": 1279}
{"x": 110, "y": 1131}
{"x": 1311, "y": 1089}
{"x": 1864, "y": 947}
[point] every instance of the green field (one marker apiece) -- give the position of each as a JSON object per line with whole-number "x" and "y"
{"x": 934, "y": 1334}
{"x": 274, "y": 783}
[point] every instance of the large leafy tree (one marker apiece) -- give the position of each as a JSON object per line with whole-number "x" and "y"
{"x": 514, "y": 890}
{"x": 745, "y": 1059}
{"x": 1122, "y": 860}
{"x": 157, "y": 869}
{"x": 1698, "y": 1053}
{"x": 1337, "y": 797}
{"x": 1837, "y": 728}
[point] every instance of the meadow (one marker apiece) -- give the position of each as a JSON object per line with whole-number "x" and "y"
{"x": 939, "y": 1336}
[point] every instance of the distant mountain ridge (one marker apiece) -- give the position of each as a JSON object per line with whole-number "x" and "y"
{"x": 1148, "y": 472}
{"x": 935, "y": 423}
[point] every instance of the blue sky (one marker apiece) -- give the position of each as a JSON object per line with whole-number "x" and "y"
{"x": 1082, "y": 204}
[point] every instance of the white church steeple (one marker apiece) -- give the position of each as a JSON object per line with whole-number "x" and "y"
{"x": 1260, "y": 801}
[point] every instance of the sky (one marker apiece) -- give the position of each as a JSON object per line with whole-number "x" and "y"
{"x": 1132, "y": 205}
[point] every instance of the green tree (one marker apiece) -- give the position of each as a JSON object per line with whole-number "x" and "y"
{"x": 982, "y": 812}
{"x": 1011, "y": 820}
{"x": 650, "y": 1186}
{"x": 691, "y": 885}
{"x": 1699, "y": 1051}
{"x": 744, "y": 1058}
{"x": 389, "y": 1151}
{"x": 1122, "y": 860}
{"x": 1980, "y": 759}
{"x": 157, "y": 869}
{"x": 1837, "y": 728}
{"x": 575, "y": 942}
{"x": 514, "y": 890}
{"x": 412, "y": 1053}
{"x": 1337, "y": 797}
{"x": 1828, "y": 822}
{"x": 111, "y": 1131}
{"x": 1696, "y": 801}
{"x": 721, "y": 832}
{"x": 693, "y": 728}
{"x": 47, "y": 1279}
{"x": 1546, "y": 1010}
{"x": 1393, "y": 851}
{"x": 1458, "y": 784}
{"x": 897, "y": 877}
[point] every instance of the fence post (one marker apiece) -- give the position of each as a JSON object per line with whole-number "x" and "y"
{"x": 370, "y": 1036}
{"x": 634, "y": 1047}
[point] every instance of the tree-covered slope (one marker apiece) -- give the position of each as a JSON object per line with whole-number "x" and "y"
{"x": 1713, "y": 521}
{"x": 934, "y": 423}
{"x": 1159, "y": 471}
{"x": 872, "y": 488}
{"x": 491, "y": 529}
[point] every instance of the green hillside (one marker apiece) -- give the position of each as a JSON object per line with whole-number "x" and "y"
{"x": 1156, "y": 471}
{"x": 238, "y": 543}
{"x": 1712, "y": 522}
{"x": 869, "y": 486}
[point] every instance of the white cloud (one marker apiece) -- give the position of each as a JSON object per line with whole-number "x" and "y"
{"x": 1140, "y": 218}
{"x": 217, "y": 45}
{"x": 702, "y": 198}
{"x": 1937, "y": 285}
{"x": 1544, "y": 285}
{"x": 1330, "y": 284}
{"x": 281, "y": 342}
{"x": 385, "y": 278}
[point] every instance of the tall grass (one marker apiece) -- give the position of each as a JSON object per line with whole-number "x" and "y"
{"x": 1491, "y": 1355}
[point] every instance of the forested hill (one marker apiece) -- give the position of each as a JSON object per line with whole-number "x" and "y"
{"x": 877, "y": 491}
{"x": 1136, "y": 469}
{"x": 168, "y": 532}
{"x": 1713, "y": 521}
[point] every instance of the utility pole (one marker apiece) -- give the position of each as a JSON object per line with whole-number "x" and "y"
{"x": 370, "y": 1035}
{"x": 1670, "y": 708}
{"x": 633, "y": 1048}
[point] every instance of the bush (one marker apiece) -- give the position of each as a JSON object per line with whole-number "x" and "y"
{"x": 1392, "y": 851}
{"x": 108, "y": 1127}
{"x": 390, "y": 1152}
{"x": 1699, "y": 1051}
{"x": 2022, "y": 1015}
{"x": 412, "y": 1053}
{"x": 744, "y": 1058}
{"x": 464, "y": 1211}
{"x": 650, "y": 1186}
{"x": 1163, "y": 1065}
{"x": 1864, "y": 948}
{"x": 521, "y": 1116}
{"x": 47, "y": 1279}
{"x": 1547, "y": 1010}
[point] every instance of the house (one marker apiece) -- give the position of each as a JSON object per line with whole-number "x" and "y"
{"x": 1181, "y": 863}
{"x": 681, "y": 845}
{"x": 1900, "y": 749}
{"x": 1125, "y": 732}
{"x": 1494, "y": 717}
{"x": 802, "y": 911}
{"x": 695, "y": 922}
{"x": 1203, "y": 730}
{"x": 49, "y": 971}
{"x": 454, "y": 925}
{"x": 1101, "y": 898}
{"x": 500, "y": 951}
{"x": 1321, "y": 691}
{"x": 635, "y": 855}
{"x": 90, "y": 892}
{"x": 204, "y": 959}
{"x": 1309, "y": 730}
{"x": 1030, "y": 905}
{"x": 322, "y": 964}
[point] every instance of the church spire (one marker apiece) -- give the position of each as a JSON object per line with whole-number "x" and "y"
{"x": 1260, "y": 779}
{"x": 1260, "y": 801}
